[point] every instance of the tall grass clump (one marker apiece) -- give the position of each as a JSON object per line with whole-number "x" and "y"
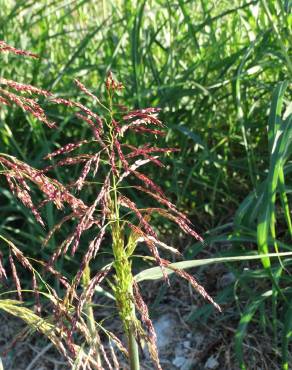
{"x": 110, "y": 173}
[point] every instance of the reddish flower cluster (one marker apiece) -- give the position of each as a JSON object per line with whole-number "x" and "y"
{"x": 151, "y": 335}
{"x": 66, "y": 149}
{"x": 111, "y": 84}
{"x": 52, "y": 189}
{"x": 66, "y": 162}
{"x": 24, "y": 88}
{"x": 27, "y": 104}
{"x": 10, "y": 49}
{"x": 121, "y": 160}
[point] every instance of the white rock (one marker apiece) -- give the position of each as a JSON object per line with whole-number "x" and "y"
{"x": 211, "y": 363}
{"x": 164, "y": 330}
{"x": 179, "y": 361}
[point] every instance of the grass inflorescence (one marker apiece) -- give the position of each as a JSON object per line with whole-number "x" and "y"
{"x": 112, "y": 212}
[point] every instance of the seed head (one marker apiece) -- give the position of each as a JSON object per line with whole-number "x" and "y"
{"x": 10, "y": 49}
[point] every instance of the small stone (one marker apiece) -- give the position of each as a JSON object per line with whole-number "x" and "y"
{"x": 211, "y": 363}
{"x": 179, "y": 361}
{"x": 187, "y": 344}
{"x": 164, "y": 330}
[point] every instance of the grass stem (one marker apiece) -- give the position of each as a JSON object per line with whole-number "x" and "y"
{"x": 89, "y": 313}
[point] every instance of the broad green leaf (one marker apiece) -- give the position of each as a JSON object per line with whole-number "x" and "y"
{"x": 275, "y": 119}
{"x": 266, "y": 219}
{"x": 155, "y": 273}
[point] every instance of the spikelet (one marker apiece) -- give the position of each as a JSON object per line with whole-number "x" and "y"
{"x": 2, "y": 269}
{"x": 83, "y": 108}
{"x": 28, "y": 105}
{"x": 24, "y": 87}
{"x": 151, "y": 336}
{"x": 160, "y": 244}
{"x": 56, "y": 227}
{"x": 182, "y": 222}
{"x": 95, "y": 130}
{"x": 144, "y": 113}
{"x": 126, "y": 202}
{"x": 85, "y": 223}
{"x": 133, "y": 167}
{"x": 95, "y": 162}
{"x": 61, "y": 278}
{"x": 164, "y": 201}
{"x": 66, "y": 149}
{"x": 114, "y": 357}
{"x": 151, "y": 246}
{"x": 15, "y": 277}
{"x": 149, "y": 183}
{"x": 80, "y": 182}
{"x": 116, "y": 126}
{"x": 146, "y": 150}
{"x": 88, "y": 293}
{"x": 22, "y": 193}
{"x": 120, "y": 154}
{"x": 84, "y": 89}
{"x": 90, "y": 253}
{"x": 52, "y": 189}
{"x": 199, "y": 288}
{"x": 111, "y": 84}
{"x": 66, "y": 162}
{"x": 10, "y": 49}
{"x": 144, "y": 130}
{"x": 4, "y": 101}
{"x": 119, "y": 344}
{"x": 25, "y": 198}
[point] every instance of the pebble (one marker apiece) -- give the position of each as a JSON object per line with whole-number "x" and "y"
{"x": 211, "y": 363}
{"x": 179, "y": 361}
{"x": 164, "y": 330}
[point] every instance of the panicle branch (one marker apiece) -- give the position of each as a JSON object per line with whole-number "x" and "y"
{"x": 149, "y": 183}
{"x": 51, "y": 188}
{"x": 66, "y": 149}
{"x": 28, "y": 105}
{"x": 151, "y": 335}
{"x": 24, "y": 87}
{"x": 199, "y": 288}
{"x": 15, "y": 277}
{"x": 2, "y": 269}
{"x": 88, "y": 293}
{"x": 10, "y": 49}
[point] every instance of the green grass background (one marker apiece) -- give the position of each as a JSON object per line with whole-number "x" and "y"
{"x": 220, "y": 71}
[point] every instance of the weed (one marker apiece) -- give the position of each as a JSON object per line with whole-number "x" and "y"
{"x": 112, "y": 212}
